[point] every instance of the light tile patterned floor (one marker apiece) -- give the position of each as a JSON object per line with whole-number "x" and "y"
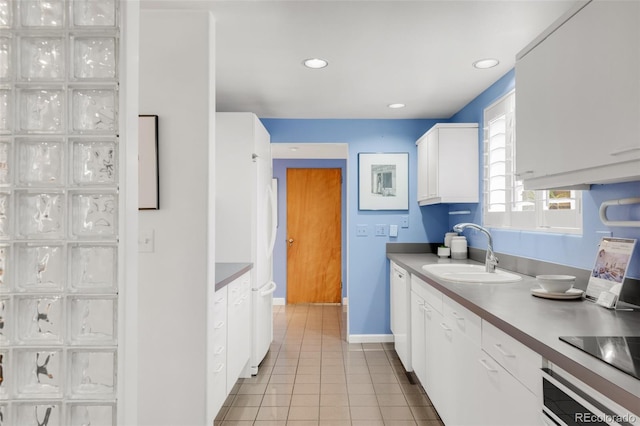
{"x": 313, "y": 377}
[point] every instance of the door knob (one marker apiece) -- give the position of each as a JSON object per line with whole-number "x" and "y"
{"x": 290, "y": 242}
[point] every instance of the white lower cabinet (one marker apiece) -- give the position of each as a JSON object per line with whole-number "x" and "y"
{"x": 502, "y": 399}
{"x": 474, "y": 373}
{"x": 428, "y": 356}
{"x": 418, "y": 336}
{"x": 239, "y": 328}
{"x": 218, "y": 365}
{"x": 231, "y": 340}
{"x": 459, "y": 342}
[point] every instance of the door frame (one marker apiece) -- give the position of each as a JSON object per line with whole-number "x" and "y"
{"x": 325, "y": 156}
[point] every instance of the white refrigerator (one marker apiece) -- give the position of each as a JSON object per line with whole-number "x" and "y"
{"x": 246, "y": 216}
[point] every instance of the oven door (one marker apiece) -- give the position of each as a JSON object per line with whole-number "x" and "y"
{"x": 564, "y": 403}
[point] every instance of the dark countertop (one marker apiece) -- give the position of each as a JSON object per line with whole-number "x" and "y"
{"x": 227, "y": 272}
{"x": 538, "y": 323}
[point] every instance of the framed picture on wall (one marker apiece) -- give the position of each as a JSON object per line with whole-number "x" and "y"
{"x": 148, "y": 177}
{"x": 383, "y": 181}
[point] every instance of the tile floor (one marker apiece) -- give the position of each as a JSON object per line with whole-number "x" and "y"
{"x": 312, "y": 376}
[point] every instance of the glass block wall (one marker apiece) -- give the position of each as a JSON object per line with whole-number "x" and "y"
{"x": 58, "y": 212}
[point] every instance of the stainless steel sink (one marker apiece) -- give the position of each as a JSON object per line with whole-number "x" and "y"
{"x": 470, "y": 274}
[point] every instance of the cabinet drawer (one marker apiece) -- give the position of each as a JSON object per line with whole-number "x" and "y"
{"x": 463, "y": 320}
{"x": 432, "y": 296}
{"x": 523, "y": 363}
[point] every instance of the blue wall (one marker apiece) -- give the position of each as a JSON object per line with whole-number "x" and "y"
{"x": 280, "y": 250}
{"x": 574, "y": 250}
{"x": 368, "y": 270}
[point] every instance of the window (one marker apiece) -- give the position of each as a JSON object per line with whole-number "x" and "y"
{"x": 507, "y": 204}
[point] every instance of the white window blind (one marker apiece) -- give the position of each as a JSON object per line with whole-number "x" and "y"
{"x": 506, "y": 203}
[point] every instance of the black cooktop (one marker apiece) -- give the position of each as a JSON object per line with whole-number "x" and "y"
{"x": 622, "y": 352}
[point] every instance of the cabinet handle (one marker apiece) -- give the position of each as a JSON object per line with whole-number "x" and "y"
{"x": 525, "y": 173}
{"x": 220, "y": 300}
{"x": 487, "y": 366}
{"x": 503, "y": 352}
{"x": 219, "y": 325}
{"x": 424, "y": 308}
{"x": 219, "y": 369}
{"x": 219, "y": 350}
{"x": 444, "y": 327}
{"x": 456, "y": 316}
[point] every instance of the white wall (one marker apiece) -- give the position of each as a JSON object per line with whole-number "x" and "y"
{"x": 175, "y": 84}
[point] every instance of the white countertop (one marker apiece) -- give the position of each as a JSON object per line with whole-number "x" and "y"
{"x": 538, "y": 323}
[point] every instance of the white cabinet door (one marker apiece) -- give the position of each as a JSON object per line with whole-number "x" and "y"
{"x": 423, "y": 178}
{"x": 418, "y": 337}
{"x": 448, "y": 164}
{"x": 459, "y": 341}
{"x": 503, "y": 399}
{"x": 433, "y": 165}
{"x": 436, "y": 378}
{"x": 577, "y": 100}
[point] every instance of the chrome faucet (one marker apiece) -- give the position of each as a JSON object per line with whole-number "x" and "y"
{"x": 490, "y": 260}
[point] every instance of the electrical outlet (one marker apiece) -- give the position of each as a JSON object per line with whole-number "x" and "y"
{"x": 381, "y": 230}
{"x": 362, "y": 230}
{"x": 404, "y": 221}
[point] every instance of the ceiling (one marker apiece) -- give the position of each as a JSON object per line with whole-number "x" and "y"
{"x": 419, "y": 53}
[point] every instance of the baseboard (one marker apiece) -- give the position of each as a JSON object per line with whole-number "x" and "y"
{"x": 278, "y": 301}
{"x": 345, "y": 301}
{"x": 370, "y": 338}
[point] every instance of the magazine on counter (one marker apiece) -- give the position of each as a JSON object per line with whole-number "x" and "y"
{"x": 612, "y": 262}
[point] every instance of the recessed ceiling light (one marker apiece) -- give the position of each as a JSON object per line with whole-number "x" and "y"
{"x": 395, "y": 106}
{"x": 315, "y": 63}
{"x": 483, "y": 64}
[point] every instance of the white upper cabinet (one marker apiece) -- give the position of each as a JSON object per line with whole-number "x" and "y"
{"x": 448, "y": 164}
{"x": 578, "y": 100}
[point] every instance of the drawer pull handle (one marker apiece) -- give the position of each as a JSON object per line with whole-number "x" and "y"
{"x": 219, "y": 300}
{"x": 424, "y": 308}
{"x": 456, "y": 316}
{"x": 219, "y": 369}
{"x": 219, "y": 325}
{"x": 503, "y": 352}
{"x": 487, "y": 366}
{"x": 219, "y": 350}
{"x": 444, "y": 327}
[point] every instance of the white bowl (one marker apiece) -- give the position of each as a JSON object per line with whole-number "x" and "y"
{"x": 556, "y": 283}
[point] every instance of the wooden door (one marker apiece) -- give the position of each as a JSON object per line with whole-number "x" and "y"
{"x": 314, "y": 236}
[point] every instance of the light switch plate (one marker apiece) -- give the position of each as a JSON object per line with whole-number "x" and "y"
{"x": 404, "y": 221}
{"x": 393, "y": 230}
{"x": 146, "y": 241}
{"x": 381, "y": 230}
